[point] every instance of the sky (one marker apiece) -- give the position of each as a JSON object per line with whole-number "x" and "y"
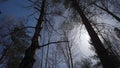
{"x": 81, "y": 39}
{"x": 17, "y": 9}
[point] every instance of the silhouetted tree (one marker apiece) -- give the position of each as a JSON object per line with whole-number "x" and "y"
{"x": 101, "y": 51}
{"x": 28, "y": 59}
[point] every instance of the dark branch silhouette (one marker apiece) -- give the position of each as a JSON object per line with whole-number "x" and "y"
{"x": 109, "y": 12}
{"x": 52, "y": 43}
{"x": 29, "y": 59}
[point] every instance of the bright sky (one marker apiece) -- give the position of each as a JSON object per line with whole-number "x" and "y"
{"x": 81, "y": 38}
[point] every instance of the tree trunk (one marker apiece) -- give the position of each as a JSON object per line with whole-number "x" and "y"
{"x": 28, "y": 59}
{"x": 70, "y": 53}
{"x": 46, "y": 62}
{"x": 101, "y": 51}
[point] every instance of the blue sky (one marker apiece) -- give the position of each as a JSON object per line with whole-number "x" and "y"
{"x": 15, "y": 8}
{"x": 18, "y": 9}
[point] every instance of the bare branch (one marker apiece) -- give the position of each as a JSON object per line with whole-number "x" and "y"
{"x": 49, "y": 23}
{"x": 52, "y": 43}
{"x": 37, "y": 9}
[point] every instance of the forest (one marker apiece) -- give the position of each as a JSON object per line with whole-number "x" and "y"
{"x": 59, "y": 33}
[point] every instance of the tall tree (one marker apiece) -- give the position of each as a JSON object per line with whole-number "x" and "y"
{"x": 28, "y": 59}
{"x": 101, "y": 51}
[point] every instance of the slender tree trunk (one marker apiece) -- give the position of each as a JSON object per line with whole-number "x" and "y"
{"x": 70, "y": 53}
{"x": 42, "y": 58}
{"x": 101, "y": 51}
{"x": 28, "y": 59}
{"x": 68, "y": 56}
{"x": 46, "y": 62}
{"x": 55, "y": 57}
